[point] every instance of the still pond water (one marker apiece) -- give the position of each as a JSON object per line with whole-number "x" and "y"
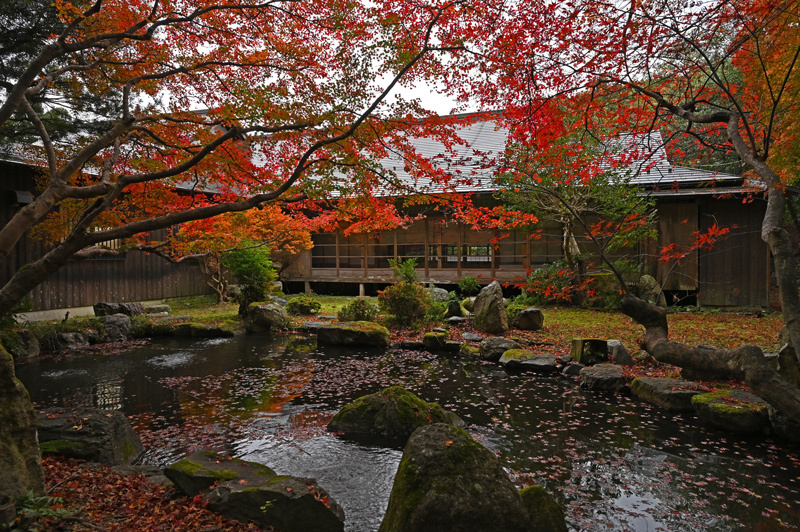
{"x": 613, "y": 461}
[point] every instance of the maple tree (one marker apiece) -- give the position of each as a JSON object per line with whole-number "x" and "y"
{"x": 296, "y": 110}
{"x": 720, "y": 70}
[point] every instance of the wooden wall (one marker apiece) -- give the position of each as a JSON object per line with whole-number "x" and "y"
{"x": 137, "y": 277}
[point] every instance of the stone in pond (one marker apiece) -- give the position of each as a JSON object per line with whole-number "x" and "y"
{"x": 672, "y": 394}
{"x": 492, "y": 348}
{"x": 353, "y": 333}
{"x": 249, "y": 491}
{"x": 732, "y": 410}
{"x": 490, "y": 310}
{"x": 448, "y": 482}
{"x": 545, "y": 513}
{"x": 265, "y": 318}
{"x": 525, "y": 360}
{"x": 602, "y": 377}
{"x": 392, "y": 413}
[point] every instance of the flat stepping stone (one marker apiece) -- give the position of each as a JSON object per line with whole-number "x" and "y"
{"x": 672, "y": 394}
{"x": 525, "y": 360}
{"x": 602, "y": 377}
{"x": 735, "y": 411}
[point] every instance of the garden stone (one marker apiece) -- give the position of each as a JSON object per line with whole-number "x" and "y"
{"x": 118, "y": 327}
{"x": 201, "y": 330}
{"x": 279, "y": 300}
{"x": 788, "y": 367}
{"x": 414, "y": 345}
{"x": 602, "y": 377}
{"x": 545, "y": 513}
{"x": 448, "y": 482}
{"x": 199, "y": 471}
{"x": 23, "y": 346}
{"x": 393, "y": 413}
{"x": 772, "y": 359}
{"x": 589, "y": 351}
{"x": 468, "y": 304}
{"x": 439, "y": 295}
{"x": 471, "y": 337}
{"x": 107, "y": 309}
{"x": 434, "y": 340}
{"x": 530, "y": 319}
{"x": 784, "y": 427}
{"x": 92, "y": 434}
{"x": 158, "y": 309}
{"x": 732, "y": 410}
{"x": 265, "y": 318}
{"x": 72, "y": 340}
{"x": 363, "y": 333}
{"x": 288, "y": 504}
{"x": 456, "y": 320}
{"x": 490, "y": 310}
{"x": 525, "y": 360}
{"x": 672, "y": 394}
{"x": 572, "y": 370}
{"x": 454, "y": 310}
{"x": 20, "y": 461}
{"x": 650, "y": 291}
{"x": 469, "y": 350}
{"x": 492, "y": 348}
{"x": 618, "y": 353}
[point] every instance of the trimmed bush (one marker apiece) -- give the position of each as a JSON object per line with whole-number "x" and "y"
{"x": 358, "y": 310}
{"x": 303, "y": 306}
{"x": 405, "y": 302}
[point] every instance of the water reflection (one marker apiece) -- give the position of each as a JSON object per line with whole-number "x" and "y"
{"x": 616, "y": 463}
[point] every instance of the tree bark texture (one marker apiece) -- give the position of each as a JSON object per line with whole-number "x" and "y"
{"x": 746, "y": 363}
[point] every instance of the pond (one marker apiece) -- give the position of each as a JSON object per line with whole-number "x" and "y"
{"x": 614, "y": 462}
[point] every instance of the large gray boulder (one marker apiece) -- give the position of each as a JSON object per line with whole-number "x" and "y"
{"x": 545, "y": 513}
{"x": 438, "y": 295}
{"x": 353, "y": 333}
{"x": 266, "y": 318}
{"x": 393, "y": 413}
{"x": 490, "y": 310}
{"x": 492, "y": 348}
{"x": 603, "y": 378}
{"x": 448, "y": 482}
{"x": 23, "y": 345}
{"x": 248, "y": 491}
{"x": 530, "y": 319}
{"x": 672, "y": 394}
{"x": 117, "y": 326}
{"x": 20, "y": 461}
{"x": 93, "y": 434}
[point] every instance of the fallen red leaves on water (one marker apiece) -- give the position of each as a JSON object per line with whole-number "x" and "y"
{"x": 100, "y": 498}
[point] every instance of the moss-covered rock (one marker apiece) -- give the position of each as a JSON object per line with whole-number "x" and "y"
{"x": 434, "y": 341}
{"x": 493, "y": 347}
{"x": 392, "y": 413}
{"x": 201, "y": 330}
{"x": 95, "y": 435}
{"x": 20, "y": 460}
{"x": 448, "y": 482}
{"x": 733, "y": 410}
{"x": 201, "y": 470}
{"x": 353, "y": 333}
{"x": 545, "y": 513}
{"x": 469, "y": 350}
{"x": 672, "y": 394}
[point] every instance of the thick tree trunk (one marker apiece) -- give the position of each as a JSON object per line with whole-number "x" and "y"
{"x": 746, "y": 363}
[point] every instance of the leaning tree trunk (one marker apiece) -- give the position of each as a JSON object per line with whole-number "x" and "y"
{"x": 746, "y": 363}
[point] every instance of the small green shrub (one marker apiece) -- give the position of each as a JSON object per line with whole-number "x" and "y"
{"x": 303, "y": 305}
{"x": 358, "y": 310}
{"x": 47, "y": 332}
{"x": 405, "y": 302}
{"x": 33, "y": 509}
{"x": 405, "y": 271}
{"x": 253, "y": 270}
{"x": 469, "y": 286}
{"x": 7, "y": 320}
{"x": 436, "y": 311}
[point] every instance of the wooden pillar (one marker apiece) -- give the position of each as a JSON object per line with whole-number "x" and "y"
{"x": 427, "y": 254}
{"x": 338, "y": 254}
{"x": 460, "y": 249}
